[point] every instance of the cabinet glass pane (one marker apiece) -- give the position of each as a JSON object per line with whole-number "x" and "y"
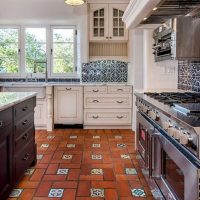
{"x": 115, "y": 12}
{"x": 95, "y": 32}
{"x": 115, "y": 22}
{"x": 115, "y": 32}
{"x": 102, "y": 13}
{"x": 96, "y": 13}
{"x": 121, "y": 23}
{"x": 101, "y": 32}
{"x": 121, "y": 32}
{"x": 101, "y": 21}
{"x": 95, "y": 21}
{"x": 121, "y": 13}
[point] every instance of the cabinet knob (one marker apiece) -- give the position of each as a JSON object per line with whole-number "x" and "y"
{"x": 24, "y": 122}
{"x": 119, "y": 117}
{"x": 26, "y": 157}
{"x": 25, "y": 137}
{"x": 119, "y": 89}
{"x": 95, "y": 117}
{"x": 110, "y": 37}
{"x": 106, "y": 37}
{"x": 120, "y": 101}
{"x": 68, "y": 89}
{"x": 24, "y": 108}
{"x": 95, "y": 100}
{"x": 95, "y": 90}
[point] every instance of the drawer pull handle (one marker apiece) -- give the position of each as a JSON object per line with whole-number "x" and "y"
{"x": 95, "y": 100}
{"x": 68, "y": 89}
{"x": 25, "y": 137}
{"x": 95, "y": 117}
{"x": 119, "y": 89}
{"x": 26, "y": 157}
{"x": 95, "y": 90}
{"x": 1, "y": 123}
{"x": 119, "y": 117}
{"x": 24, "y": 108}
{"x": 24, "y": 122}
{"x": 120, "y": 101}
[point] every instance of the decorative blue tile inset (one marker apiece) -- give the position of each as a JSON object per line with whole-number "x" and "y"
{"x": 138, "y": 192}
{"x": 189, "y": 75}
{"x": 54, "y": 193}
{"x": 105, "y": 71}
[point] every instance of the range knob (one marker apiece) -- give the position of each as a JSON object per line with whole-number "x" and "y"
{"x": 184, "y": 139}
{"x": 177, "y": 134}
{"x": 172, "y": 131}
{"x": 166, "y": 125}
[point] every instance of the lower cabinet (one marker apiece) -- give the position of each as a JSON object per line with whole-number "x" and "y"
{"x": 68, "y": 105}
{"x": 17, "y": 144}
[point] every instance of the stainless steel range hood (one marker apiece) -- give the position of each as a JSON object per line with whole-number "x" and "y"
{"x": 167, "y": 9}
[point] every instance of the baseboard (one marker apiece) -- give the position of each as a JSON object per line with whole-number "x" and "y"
{"x": 68, "y": 126}
{"x": 107, "y": 127}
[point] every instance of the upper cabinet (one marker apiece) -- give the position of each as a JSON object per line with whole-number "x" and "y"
{"x": 106, "y": 22}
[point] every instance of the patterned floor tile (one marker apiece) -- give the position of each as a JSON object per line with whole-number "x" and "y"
{"x": 97, "y": 157}
{"x": 44, "y": 145}
{"x": 29, "y": 171}
{"x": 118, "y": 137}
{"x": 138, "y": 192}
{"x": 73, "y": 136}
{"x": 55, "y": 193}
{"x": 96, "y": 145}
{"x": 125, "y": 156}
{"x": 50, "y": 137}
{"x": 96, "y": 137}
{"x": 39, "y": 156}
{"x": 97, "y": 171}
{"x": 67, "y": 157}
{"x": 71, "y": 145}
{"x": 94, "y": 192}
{"x": 15, "y": 193}
{"x": 121, "y": 145}
{"x": 130, "y": 171}
{"x": 62, "y": 171}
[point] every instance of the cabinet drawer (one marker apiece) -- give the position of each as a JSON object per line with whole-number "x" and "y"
{"x": 24, "y": 138}
{"x": 108, "y": 101}
{"x": 95, "y": 89}
{"x": 24, "y": 159}
{"x": 107, "y": 117}
{"x": 23, "y": 108}
{"x": 121, "y": 89}
{"x": 24, "y": 124}
{"x": 5, "y": 118}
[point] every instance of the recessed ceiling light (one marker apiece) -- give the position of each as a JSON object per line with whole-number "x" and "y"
{"x": 155, "y": 8}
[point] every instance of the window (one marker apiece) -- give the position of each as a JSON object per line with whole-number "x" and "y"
{"x": 9, "y": 50}
{"x": 63, "y": 50}
{"x": 35, "y": 50}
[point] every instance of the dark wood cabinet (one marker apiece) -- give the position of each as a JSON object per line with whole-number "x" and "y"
{"x": 17, "y": 144}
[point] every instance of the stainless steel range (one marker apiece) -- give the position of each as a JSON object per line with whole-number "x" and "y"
{"x": 168, "y": 135}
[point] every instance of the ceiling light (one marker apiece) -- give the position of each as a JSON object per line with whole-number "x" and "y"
{"x": 74, "y": 2}
{"x": 155, "y": 8}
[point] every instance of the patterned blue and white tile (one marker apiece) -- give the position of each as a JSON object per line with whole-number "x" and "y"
{"x": 62, "y": 171}
{"x": 97, "y": 157}
{"x": 138, "y": 192}
{"x": 96, "y": 192}
{"x": 97, "y": 171}
{"x": 130, "y": 171}
{"x": 15, "y": 193}
{"x": 67, "y": 157}
{"x": 55, "y": 193}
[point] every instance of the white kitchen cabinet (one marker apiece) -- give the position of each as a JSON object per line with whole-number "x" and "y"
{"x": 106, "y": 22}
{"x": 108, "y": 106}
{"x": 68, "y": 105}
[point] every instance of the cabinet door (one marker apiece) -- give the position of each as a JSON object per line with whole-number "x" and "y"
{"x": 5, "y": 161}
{"x": 40, "y": 115}
{"x": 98, "y": 21}
{"x": 117, "y": 29}
{"x": 68, "y": 105}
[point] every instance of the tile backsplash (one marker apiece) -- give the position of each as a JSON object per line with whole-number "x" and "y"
{"x": 189, "y": 75}
{"x": 105, "y": 71}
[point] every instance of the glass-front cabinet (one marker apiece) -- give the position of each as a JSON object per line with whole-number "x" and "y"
{"x": 106, "y": 22}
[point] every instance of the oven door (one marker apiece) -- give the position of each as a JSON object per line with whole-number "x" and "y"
{"x": 179, "y": 176}
{"x": 144, "y": 140}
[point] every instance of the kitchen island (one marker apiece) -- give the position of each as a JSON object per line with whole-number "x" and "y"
{"x": 17, "y": 138}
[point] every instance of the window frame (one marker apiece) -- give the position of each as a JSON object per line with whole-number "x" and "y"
{"x": 18, "y": 74}
{"x": 63, "y": 75}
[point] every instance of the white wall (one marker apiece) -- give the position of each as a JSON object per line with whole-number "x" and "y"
{"x": 47, "y": 12}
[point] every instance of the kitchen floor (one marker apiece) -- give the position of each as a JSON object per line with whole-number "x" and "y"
{"x": 83, "y": 165}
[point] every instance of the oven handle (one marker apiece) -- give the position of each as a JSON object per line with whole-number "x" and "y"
{"x": 152, "y": 137}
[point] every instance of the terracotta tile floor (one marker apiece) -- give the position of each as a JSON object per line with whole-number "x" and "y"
{"x": 83, "y": 165}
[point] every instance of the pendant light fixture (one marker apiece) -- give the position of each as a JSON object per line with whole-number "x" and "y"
{"x": 74, "y": 2}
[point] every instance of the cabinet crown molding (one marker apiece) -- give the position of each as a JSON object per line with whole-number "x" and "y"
{"x": 108, "y": 2}
{"x": 137, "y": 10}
